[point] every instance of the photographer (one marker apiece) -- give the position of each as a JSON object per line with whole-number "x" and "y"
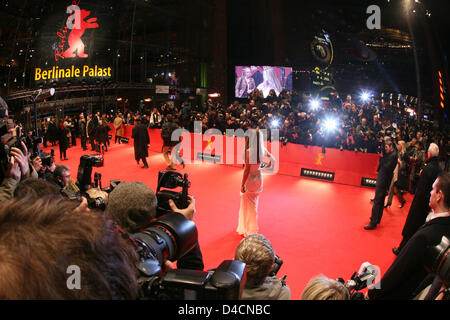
{"x": 132, "y": 205}
{"x": 17, "y": 168}
{"x": 61, "y": 176}
{"x": 323, "y": 288}
{"x": 44, "y": 165}
{"x": 407, "y": 271}
{"x": 257, "y": 253}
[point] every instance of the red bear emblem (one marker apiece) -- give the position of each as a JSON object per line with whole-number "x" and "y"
{"x": 74, "y": 39}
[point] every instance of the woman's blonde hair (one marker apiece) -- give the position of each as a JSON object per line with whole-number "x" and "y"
{"x": 323, "y": 288}
{"x": 257, "y": 253}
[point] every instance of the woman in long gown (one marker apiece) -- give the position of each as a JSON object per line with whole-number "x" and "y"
{"x": 252, "y": 183}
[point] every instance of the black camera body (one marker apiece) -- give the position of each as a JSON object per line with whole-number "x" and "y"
{"x": 278, "y": 262}
{"x": 84, "y": 182}
{"x": 359, "y": 281}
{"x": 47, "y": 159}
{"x": 224, "y": 283}
{"x": 171, "y": 180}
{"x": 85, "y": 170}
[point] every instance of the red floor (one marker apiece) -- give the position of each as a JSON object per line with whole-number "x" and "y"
{"x": 315, "y": 227}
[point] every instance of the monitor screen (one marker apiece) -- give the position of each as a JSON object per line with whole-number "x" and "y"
{"x": 265, "y": 79}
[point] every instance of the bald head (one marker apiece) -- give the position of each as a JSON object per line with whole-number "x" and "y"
{"x": 433, "y": 150}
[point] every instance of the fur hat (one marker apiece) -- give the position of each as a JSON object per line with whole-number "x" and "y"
{"x": 132, "y": 205}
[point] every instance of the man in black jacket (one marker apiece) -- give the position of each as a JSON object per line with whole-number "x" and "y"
{"x": 407, "y": 272}
{"x": 83, "y": 132}
{"x": 385, "y": 173}
{"x": 141, "y": 142}
{"x": 419, "y": 207}
{"x": 92, "y": 124}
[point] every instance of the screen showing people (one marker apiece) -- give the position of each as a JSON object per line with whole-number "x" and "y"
{"x": 264, "y": 79}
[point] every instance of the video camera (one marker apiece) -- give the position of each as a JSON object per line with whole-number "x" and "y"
{"x": 171, "y": 237}
{"x": 171, "y": 180}
{"x": 85, "y": 170}
{"x": 360, "y": 280}
{"x": 84, "y": 183}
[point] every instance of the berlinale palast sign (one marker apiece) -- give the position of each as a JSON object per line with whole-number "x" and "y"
{"x": 70, "y": 49}
{"x": 57, "y": 73}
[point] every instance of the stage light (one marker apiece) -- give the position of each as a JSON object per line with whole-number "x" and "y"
{"x": 368, "y": 182}
{"x": 315, "y": 104}
{"x": 148, "y": 99}
{"x": 316, "y": 174}
{"x": 330, "y": 124}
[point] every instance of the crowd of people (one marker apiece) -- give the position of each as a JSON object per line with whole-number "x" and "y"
{"x": 37, "y": 216}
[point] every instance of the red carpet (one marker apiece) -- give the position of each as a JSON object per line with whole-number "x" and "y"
{"x": 315, "y": 227}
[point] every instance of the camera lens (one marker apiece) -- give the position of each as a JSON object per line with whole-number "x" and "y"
{"x": 169, "y": 237}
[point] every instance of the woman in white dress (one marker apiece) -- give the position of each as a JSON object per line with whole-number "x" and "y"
{"x": 252, "y": 183}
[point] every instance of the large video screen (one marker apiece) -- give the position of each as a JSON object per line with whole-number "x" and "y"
{"x": 263, "y": 78}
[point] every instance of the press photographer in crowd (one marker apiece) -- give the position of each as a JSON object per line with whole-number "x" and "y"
{"x": 258, "y": 254}
{"x": 324, "y": 288}
{"x": 45, "y": 165}
{"x": 133, "y": 206}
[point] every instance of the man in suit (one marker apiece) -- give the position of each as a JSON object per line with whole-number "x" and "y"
{"x": 407, "y": 272}
{"x": 419, "y": 207}
{"x": 141, "y": 142}
{"x": 385, "y": 174}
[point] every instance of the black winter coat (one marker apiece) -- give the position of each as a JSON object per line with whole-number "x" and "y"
{"x": 141, "y": 141}
{"x": 101, "y": 134}
{"x": 62, "y": 138}
{"x": 420, "y": 206}
{"x": 407, "y": 271}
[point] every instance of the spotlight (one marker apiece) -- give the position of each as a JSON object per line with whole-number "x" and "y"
{"x": 368, "y": 182}
{"x": 316, "y": 174}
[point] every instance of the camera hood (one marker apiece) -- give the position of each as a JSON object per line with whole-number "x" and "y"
{"x": 182, "y": 231}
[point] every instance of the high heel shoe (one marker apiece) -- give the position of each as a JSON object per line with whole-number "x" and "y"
{"x": 402, "y": 204}
{"x": 387, "y": 205}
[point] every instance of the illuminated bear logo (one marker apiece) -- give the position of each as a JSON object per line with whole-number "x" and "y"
{"x": 76, "y": 45}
